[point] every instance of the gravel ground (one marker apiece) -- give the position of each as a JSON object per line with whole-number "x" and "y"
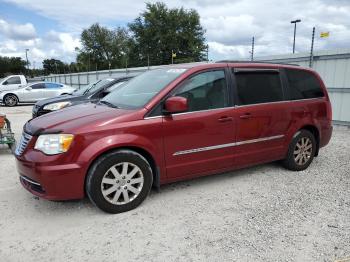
{"x": 263, "y": 213}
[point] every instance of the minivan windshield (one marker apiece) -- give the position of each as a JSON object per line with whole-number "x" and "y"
{"x": 141, "y": 89}
{"x": 91, "y": 88}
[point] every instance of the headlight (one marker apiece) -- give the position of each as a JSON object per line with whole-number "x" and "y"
{"x": 56, "y": 106}
{"x": 54, "y": 144}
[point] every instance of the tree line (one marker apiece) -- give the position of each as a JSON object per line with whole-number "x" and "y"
{"x": 159, "y": 35}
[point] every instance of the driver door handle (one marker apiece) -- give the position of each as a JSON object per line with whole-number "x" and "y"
{"x": 245, "y": 116}
{"x": 224, "y": 119}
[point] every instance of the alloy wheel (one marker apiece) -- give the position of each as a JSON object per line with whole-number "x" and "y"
{"x": 303, "y": 151}
{"x": 10, "y": 100}
{"x": 122, "y": 183}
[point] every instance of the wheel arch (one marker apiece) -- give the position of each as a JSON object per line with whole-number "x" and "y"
{"x": 3, "y": 100}
{"x": 143, "y": 152}
{"x": 314, "y": 130}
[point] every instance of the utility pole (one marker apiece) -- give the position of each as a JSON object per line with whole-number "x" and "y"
{"x": 89, "y": 63}
{"x": 295, "y": 30}
{"x": 207, "y": 53}
{"x": 147, "y": 61}
{"x": 252, "y": 52}
{"x": 27, "y": 60}
{"x": 312, "y": 48}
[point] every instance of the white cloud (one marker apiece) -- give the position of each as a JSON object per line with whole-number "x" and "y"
{"x": 59, "y": 45}
{"x": 17, "y": 32}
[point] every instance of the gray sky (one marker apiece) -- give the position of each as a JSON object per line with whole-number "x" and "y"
{"x": 51, "y": 28}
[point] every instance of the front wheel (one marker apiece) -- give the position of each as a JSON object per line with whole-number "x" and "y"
{"x": 10, "y": 100}
{"x": 301, "y": 151}
{"x": 119, "y": 181}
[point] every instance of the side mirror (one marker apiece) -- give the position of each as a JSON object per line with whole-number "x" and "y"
{"x": 28, "y": 88}
{"x": 175, "y": 104}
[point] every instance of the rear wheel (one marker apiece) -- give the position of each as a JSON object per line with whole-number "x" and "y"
{"x": 301, "y": 151}
{"x": 119, "y": 181}
{"x": 10, "y": 100}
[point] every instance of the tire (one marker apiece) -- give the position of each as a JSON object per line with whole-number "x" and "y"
{"x": 301, "y": 151}
{"x": 109, "y": 187}
{"x": 10, "y": 100}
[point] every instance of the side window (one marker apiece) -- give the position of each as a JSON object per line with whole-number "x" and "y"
{"x": 302, "y": 85}
{"x": 52, "y": 86}
{"x": 254, "y": 87}
{"x": 38, "y": 86}
{"x": 15, "y": 80}
{"x": 206, "y": 90}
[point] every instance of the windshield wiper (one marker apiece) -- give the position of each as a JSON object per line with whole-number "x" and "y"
{"x": 88, "y": 89}
{"x": 107, "y": 103}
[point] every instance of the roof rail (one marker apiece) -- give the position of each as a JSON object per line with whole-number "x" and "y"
{"x": 254, "y": 62}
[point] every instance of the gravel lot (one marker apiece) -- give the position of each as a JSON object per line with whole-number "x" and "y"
{"x": 264, "y": 213}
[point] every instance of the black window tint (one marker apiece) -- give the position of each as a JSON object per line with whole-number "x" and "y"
{"x": 206, "y": 90}
{"x": 258, "y": 87}
{"x": 38, "y": 86}
{"x": 302, "y": 85}
{"x": 15, "y": 80}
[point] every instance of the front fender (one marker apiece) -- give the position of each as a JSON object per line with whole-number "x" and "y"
{"x": 104, "y": 144}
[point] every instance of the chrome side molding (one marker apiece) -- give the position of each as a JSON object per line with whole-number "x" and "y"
{"x": 207, "y": 148}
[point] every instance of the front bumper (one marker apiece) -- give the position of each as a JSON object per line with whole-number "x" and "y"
{"x": 50, "y": 181}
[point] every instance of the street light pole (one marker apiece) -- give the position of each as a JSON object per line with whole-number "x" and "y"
{"x": 295, "y": 30}
{"x": 27, "y": 58}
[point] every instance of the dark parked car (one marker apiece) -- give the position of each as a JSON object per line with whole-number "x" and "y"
{"x": 173, "y": 124}
{"x": 88, "y": 93}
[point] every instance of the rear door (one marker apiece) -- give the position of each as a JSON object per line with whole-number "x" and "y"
{"x": 261, "y": 115}
{"x": 51, "y": 90}
{"x": 200, "y": 140}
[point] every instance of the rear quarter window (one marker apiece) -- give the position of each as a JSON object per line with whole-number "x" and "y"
{"x": 302, "y": 85}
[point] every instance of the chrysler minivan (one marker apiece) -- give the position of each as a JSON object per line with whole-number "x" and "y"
{"x": 175, "y": 123}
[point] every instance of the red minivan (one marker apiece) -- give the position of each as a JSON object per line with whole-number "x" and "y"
{"x": 175, "y": 123}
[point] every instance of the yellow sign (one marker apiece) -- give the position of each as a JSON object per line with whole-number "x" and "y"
{"x": 324, "y": 34}
{"x": 174, "y": 55}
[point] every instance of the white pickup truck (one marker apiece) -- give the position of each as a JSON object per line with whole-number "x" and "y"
{"x": 12, "y": 82}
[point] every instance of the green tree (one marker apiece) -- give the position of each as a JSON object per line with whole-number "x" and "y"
{"x": 103, "y": 48}
{"x": 159, "y": 31}
{"x": 55, "y": 66}
{"x": 11, "y": 65}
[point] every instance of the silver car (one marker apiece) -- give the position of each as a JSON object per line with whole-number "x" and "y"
{"x": 34, "y": 92}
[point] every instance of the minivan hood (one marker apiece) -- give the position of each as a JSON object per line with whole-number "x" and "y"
{"x": 77, "y": 118}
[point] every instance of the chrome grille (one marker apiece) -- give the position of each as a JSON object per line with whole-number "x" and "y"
{"x": 23, "y": 142}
